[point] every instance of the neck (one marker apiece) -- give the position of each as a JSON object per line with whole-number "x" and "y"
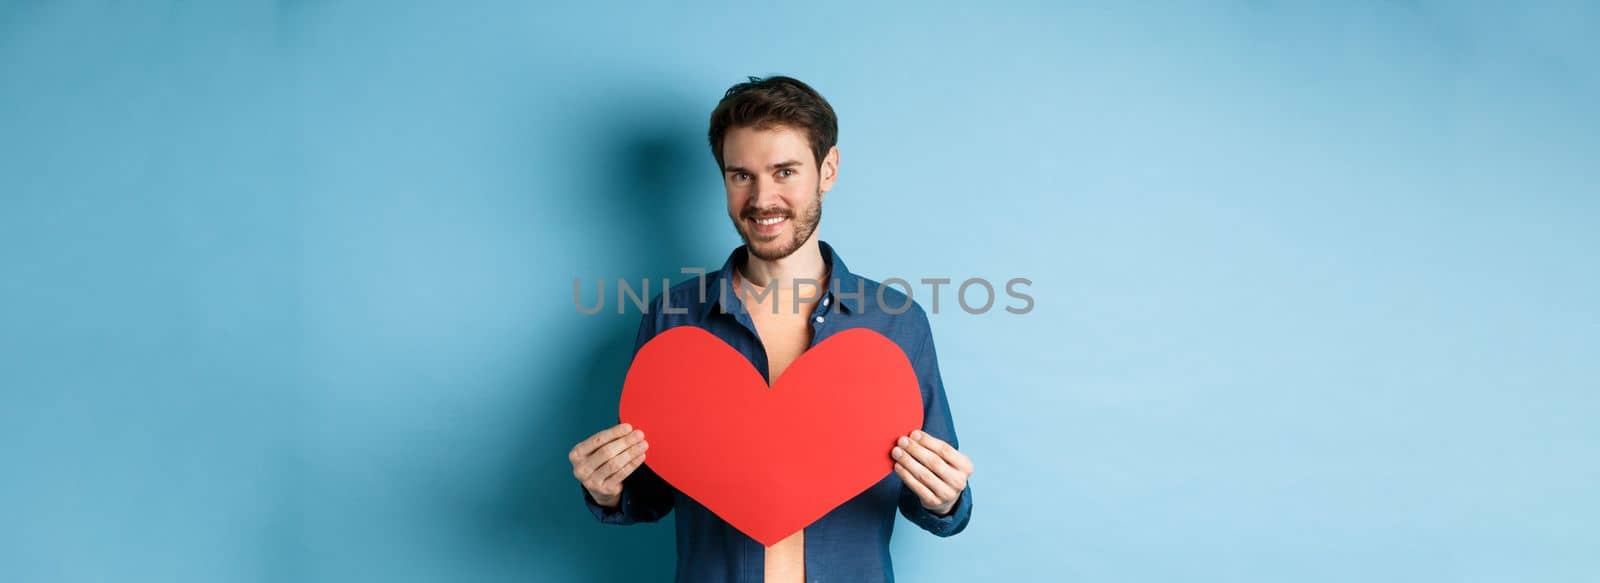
{"x": 805, "y": 263}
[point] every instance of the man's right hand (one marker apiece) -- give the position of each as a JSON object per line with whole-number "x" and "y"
{"x": 605, "y": 458}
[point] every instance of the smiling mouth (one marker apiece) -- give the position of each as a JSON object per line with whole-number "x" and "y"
{"x": 767, "y": 226}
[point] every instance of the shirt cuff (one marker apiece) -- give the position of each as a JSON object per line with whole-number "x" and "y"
{"x": 950, "y": 524}
{"x": 603, "y": 514}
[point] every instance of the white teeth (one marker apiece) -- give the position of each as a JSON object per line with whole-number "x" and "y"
{"x": 771, "y": 221}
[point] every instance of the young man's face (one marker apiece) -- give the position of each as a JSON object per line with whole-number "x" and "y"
{"x": 774, "y": 187}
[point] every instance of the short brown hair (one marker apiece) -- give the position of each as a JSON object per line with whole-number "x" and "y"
{"x": 775, "y": 101}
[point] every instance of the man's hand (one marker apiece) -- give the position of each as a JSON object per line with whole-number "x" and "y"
{"x": 936, "y": 472}
{"x": 605, "y": 458}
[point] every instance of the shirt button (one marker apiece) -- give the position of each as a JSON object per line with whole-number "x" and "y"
{"x": 824, "y": 301}
{"x": 819, "y": 319}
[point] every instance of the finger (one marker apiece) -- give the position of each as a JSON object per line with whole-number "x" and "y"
{"x": 586, "y": 447}
{"x": 949, "y": 452}
{"x": 610, "y": 466}
{"x": 613, "y": 483}
{"x": 611, "y": 450}
{"x": 949, "y": 475}
{"x": 934, "y": 483}
{"x": 911, "y": 481}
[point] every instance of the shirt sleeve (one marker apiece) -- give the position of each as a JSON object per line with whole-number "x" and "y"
{"x": 645, "y": 496}
{"x": 936, "y": 421}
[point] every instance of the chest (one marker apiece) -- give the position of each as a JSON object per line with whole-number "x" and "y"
{"x": 783, "y": 326}
{"x": 785, "y": 336}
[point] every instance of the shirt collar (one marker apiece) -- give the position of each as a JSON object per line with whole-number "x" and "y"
{"x": 849, "y": 286}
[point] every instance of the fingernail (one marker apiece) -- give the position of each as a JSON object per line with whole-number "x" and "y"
{"x": 902, "y": 441}
{"x": 639, "y": 434}
{"x": 896, "y": 452}
{"x": 916, "y": 435}
{"x": 627, "y": 427}
{"x": 644, "y": 445}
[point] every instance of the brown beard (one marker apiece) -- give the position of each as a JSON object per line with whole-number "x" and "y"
{"x": 804, "y": 225}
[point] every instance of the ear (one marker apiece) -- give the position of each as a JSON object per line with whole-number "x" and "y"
{"x": 830, "y": 169}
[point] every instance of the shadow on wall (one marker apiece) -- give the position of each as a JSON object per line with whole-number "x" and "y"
{"x": 654, "y": 161}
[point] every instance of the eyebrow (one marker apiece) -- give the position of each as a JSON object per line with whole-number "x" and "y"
{"x": 784, "y": 164}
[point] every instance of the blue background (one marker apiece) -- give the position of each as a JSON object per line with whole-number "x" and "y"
{"x": 287, "y": 287}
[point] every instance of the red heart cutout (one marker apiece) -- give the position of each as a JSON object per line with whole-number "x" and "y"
{"x": 771, "y": 461}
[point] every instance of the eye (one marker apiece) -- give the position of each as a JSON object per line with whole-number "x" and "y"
{"x": 740, "y": 176}
{"x": 786, "y": 172}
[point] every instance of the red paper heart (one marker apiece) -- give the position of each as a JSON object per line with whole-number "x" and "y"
{"x": 771, "y": 461}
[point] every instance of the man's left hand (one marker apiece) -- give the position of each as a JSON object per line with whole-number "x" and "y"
{"x": 934, "y": 470}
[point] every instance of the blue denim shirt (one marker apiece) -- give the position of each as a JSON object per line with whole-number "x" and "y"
{"x": 850, "y": 543}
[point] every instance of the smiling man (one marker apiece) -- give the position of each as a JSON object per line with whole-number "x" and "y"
{"x": 774, "y": 140}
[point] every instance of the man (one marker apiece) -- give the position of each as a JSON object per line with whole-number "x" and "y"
{"x": 774, "y": 140}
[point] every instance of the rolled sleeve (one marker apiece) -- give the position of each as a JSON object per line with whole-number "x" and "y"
{"x": 645, "y": 496}
{"x": 601, "y": 513}
{"x": 925, "y": 519}
{"x": 936, "y": 421}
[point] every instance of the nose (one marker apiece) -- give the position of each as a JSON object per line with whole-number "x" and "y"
{"x": 766, "y": 194}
